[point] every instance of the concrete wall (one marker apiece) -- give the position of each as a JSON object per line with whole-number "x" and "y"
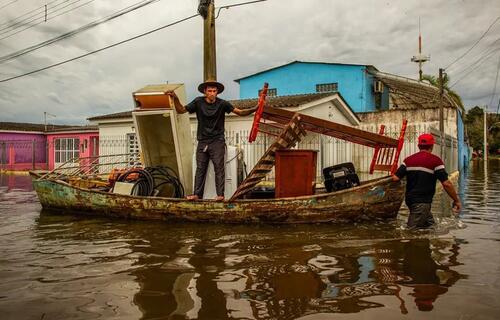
{"x": 354, "y": 83}
{"x": 428, "y": 115}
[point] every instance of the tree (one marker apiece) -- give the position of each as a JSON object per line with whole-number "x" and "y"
{"x": 446, "y": 81}
{"x": 475, "y": 129}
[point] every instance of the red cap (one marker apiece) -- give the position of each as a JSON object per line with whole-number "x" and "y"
{"x": 426, "y": 139}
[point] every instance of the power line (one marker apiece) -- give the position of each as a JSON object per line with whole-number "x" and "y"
{"x": 53, "y": 17}
{"x": 480, "y": 38}
{"x": 72, "y": 33}
{"x": 495, "y": 85}
{"x": 101, "y": 49}
{"x": 114, "y": 44}
{"x": 24, "y": 14}
{"x": 8, "y": 4}
{"x": 15, "y": 24}
{"x": 475, "y": 65}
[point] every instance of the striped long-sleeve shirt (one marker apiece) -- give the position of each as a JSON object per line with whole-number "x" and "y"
{"x": 422, "y": 170}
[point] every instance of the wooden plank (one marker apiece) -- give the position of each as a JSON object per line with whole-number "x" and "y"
{"x": 333, "y": 129}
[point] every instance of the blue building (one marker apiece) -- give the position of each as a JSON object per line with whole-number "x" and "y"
{"x": 354, "y": 82}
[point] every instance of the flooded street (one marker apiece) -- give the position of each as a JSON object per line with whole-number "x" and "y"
{"x": 65, "y": 267}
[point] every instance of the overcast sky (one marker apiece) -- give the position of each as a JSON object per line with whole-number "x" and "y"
{"x": 249, "y": 39}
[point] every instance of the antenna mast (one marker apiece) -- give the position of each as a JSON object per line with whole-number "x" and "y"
{"x": 420, "y": 58}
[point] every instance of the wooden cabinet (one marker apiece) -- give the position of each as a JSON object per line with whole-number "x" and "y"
{"x": 295, "y": 172}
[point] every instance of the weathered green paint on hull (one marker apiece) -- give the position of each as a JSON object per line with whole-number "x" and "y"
{"x": 378, "y": 199}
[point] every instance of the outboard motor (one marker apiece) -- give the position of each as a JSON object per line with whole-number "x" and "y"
{"x": 340, "y": 177}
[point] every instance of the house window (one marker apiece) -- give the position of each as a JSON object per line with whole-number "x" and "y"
{"x": 66, "y": 149}
{"x": 327, "y": 87}
{"x": 133, "y": 149}
{"x": 270, "y": 92}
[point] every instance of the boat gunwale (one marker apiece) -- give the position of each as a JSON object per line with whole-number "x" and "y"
{"x": 364, "y": 185}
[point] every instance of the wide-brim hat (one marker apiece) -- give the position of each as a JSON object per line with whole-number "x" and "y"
{"x": 426, "y": 139}
{"x": 211, "y": 83}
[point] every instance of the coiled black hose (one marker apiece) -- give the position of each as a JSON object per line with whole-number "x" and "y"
{"x": 143, "y": 184}
{"x": 163, "y": 175}
{"x": 151, "y": 180}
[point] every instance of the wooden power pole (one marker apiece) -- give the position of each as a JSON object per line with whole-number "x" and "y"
{"x": 209, "y": 48}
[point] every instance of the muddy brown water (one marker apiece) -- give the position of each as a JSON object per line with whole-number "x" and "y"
{"x": 65, "y": 267}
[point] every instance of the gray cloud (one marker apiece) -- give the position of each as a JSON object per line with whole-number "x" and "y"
{"x": 249, "y": 39}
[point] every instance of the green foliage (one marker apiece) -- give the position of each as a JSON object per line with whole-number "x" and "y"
{"x": 474, "y": 127}
{"x": 446, "y": 82}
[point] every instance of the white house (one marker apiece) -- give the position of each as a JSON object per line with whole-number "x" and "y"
{"x": 117, "y": 133}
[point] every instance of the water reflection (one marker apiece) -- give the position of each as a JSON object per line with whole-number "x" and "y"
{"x": 220, "y": 272}
{"x": 61, "y": 267}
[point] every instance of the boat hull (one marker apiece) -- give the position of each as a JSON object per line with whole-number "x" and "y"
{"x": 375, "y": 200}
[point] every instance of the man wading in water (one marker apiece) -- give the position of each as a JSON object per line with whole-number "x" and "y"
{"x": 422, "y": 170}
{"x": 210, "y": 112}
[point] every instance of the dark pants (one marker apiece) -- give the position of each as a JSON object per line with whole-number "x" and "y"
{"x": 420, "y": 216}
{"x": 206, "y": 151}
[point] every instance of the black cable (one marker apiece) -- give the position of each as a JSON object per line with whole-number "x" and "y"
{"x": 115, "y": 44}
{"x": 53, "y": 17}
{"x": 27, "y": 20}
{"x": 101, "y": 49}
{"x": 8, "y": 4}
{"x": 480, "y": 38}
{"x": 24, "y": 14}
{"x": 163, "y": 176}
{"x": 72, "y": 33}
{"x": 143, "y": 184}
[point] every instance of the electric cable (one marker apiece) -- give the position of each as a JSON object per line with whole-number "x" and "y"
{"x": 72, "y": 33}
{"x": 26, "y": 13}
{"x": 8, "y": 4}
{"x": 101, "y": 49}
{"x": 26, "y": 20}
{"x": 113, "y": 45}
{"x": 43, "y": 20}
{"x": 478, "y": 40}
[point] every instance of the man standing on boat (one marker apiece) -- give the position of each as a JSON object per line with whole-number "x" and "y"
{"x": 422, "y": 170}
{"x": 210, "y": 112}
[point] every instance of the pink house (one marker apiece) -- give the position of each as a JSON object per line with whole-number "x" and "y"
{"x": 29, "y": 146}
{"x": 68, "y": 143}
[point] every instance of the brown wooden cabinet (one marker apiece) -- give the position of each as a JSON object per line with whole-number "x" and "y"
{"x": 295, "y": 173}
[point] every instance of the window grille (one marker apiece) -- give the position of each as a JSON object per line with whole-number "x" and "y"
{"x": 327, "y": 87}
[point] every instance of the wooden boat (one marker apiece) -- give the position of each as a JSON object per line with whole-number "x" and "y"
{"x": 380, "y": 198}
{"x": 373, "y": 200}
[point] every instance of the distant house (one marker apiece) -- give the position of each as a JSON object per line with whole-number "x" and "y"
{"x": 354, "y": 82}
{"x": 68, "y": 143}
{"x": 28, "y": 146}
{"x": 22, "y": 146}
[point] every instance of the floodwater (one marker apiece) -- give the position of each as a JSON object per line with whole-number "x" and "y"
{"x": 66, "y": 267}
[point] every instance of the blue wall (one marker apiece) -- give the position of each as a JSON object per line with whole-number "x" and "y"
{"x": 354, "y": 83}
{"x": 463, "y": 149}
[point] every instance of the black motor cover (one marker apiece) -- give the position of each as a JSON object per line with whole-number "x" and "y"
{"x": 339, "y": 177}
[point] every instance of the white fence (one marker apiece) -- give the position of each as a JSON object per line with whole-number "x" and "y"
{"x": 331, "y": 151}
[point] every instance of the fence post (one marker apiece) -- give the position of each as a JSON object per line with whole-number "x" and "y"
{"x": 33, "y": 154}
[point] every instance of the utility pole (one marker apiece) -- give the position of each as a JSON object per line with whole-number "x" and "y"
{"x": 207, "y": 10}
{"x": 485, "y": 135}
{"x": 441, "y": 113}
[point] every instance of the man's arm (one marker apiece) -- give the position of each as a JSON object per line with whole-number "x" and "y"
{"x": 244, "y": 112}
{"x": 450, "y": 190}
{"x": 177, "y": 104}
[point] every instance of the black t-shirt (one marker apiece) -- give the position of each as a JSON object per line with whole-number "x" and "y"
{"x": 422, "y": 170}
{"x": 210, "y": 117}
